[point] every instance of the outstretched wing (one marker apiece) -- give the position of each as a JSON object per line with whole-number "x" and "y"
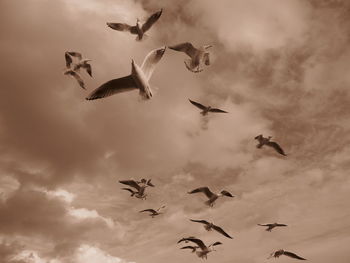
{"x": 149, "y": 183}
{"x": 292, "y": 255}
{"x": 226, "y": 193}
{"x": 151, "y": 60}
{"x": 276, "y": 146}
{"x": 201, "y": 221}
{"x": 204, "y": 190}
{"x": 151, "y": 20}
{"x": 281, "y": 225}
{"x": 198, "y": 105}
{"x": 131, "y": 183}
{"x": 184, "y": 239}
{"x": 149, "y": 210}
{"x": 221, "y": 231}
{"x": 112, "y": 87}
{"x": 77, "y": 77}
{"x": 217, "y": 110}
{"x": 186, "y": 47}
{"x": 123, "y": 27}
{"x": 75, "y": 54}
{"x": 216, "y": 244}
{"x": 128, "y": 189}
{"x": 88, "y": 69}
{"x": 198, "y": 242}
{"x": 68, "y": 59}
{"x": 190, "y": 247}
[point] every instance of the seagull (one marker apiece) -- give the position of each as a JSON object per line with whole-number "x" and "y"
{"x": 75, "y": 75}
{"x": 209, "y": 226}
{"x": 138, "y": 79}
{"x": 206, "y": 109}
{"x": 211, "y": 196}
{"x": 281, "y": 252}
{"x": 271, "y": 226}
{"x": 266, "y": 141}
{"x": 139, "y": 29}
{"x": 197, "y": 55}
{"x": 140, "y": 193}
{"x": 83, "y": 63}
{"x": 204, "y": 249}
{"x": 153, "y": 212}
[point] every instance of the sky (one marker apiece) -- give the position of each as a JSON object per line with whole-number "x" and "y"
{"x": 280, "y": 68}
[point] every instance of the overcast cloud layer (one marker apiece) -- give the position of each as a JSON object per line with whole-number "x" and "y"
{"x": 279, "y": 68}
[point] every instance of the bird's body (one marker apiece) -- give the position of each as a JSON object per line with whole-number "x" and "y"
{"x": 140, "y": 188}
{"x": 281, "y": 252}
{"x": 266, "y": 141}
{"x": 210, "y": 226}
{"x": 204, "y": 250}
{"x": 212, "y": 197}
{"x": 139, "y": 29}
{"x": 206, "y": 109}
{"x": 272, "y": 226}
{"x": 138, "y": 79}
{"x": 197, "y": 55}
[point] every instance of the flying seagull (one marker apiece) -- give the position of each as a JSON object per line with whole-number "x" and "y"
{"x": 140, "y": 188}
{"x": 209, "y": 226}
{"x": 82, "y": 63}
{"x": 139, "y": 29}
{"x": 75, "y": 75}
{"x": 197, "y": 55}
{"x": 138, "y": 79}
{"x": 153, "y": 212}
{"x": 271, "y": 226}
{"x": 204, "y": 249}
{"x": 211, "y": 196}
{"x": 206, "y": 109}
{"x": 266, "y": 141}
{"x": 281, "y": 252}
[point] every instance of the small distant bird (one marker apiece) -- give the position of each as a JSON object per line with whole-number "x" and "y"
{"x": 138, "y": 79}
{"x": 211, "y": 196}
{"x": 153, "y": 212}
{"x": 140, "y": 188}
{"x": 206, "y": 109}
{"x": 266, "y": 141}
{"x": 281, "y": 252}
{"x": 209, "y": 226}
{"x": 75, "y": 75}
{"x": 82, "y": 63}
{"x": 271, "y": 226}
{"x": 204, "y": 249}
{"x": 197, "y": 55}
{"x": 139, "y": 29}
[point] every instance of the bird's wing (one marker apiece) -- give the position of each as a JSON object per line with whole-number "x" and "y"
{"x": 149, "y": 210}
{"x": 128, "y": 189}
{"x": 151, "y": 20}
{"x": 263, "y": 225}
{"x": 198, "y": 105}
{"x": 226, "y": 193}
{"x": 184, "y": 239}
{"x": 75, "y": 54}
{"x": 112, "y": 87}
{"x": 88, "y": 69}
{"x": 78, "y": 78}
{"x": 292, "y": 255}
{"x": 206, "y": 59}
{"x": 151, "y": 60}
{"x": 198, "y": 242}
{"x": 201, "y": 221}
{"x": 186, "y": 47}
{"x": 276, "y": 146}
{"x": 68, "y": 59}
{"x": 281, "y": 225}
{"x": 221, "y": 231}
{"x": 204, "y": 190}
{"x": 189, "y": 247}
{"x": 217, "y": 110}
{"x": 216, "y": 243}
{"x": 123, "y": 27}
{"x": 131, "y": 183}
{"x": 149, "y": 183}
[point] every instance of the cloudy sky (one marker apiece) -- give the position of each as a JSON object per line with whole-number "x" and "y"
{"x": 279, "y": 67}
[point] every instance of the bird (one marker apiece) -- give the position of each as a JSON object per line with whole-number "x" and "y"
{"x": 139, "y": 29}
{"x": 206, "y": 109}
{"x": 281, "y": 252}
{"x": 138, "y": 79}
{"x": 209, "y": 226}
{"x": 82, "y": 63}
{"x": 266, "y": 141}
{"x": 204, "y": 249}
{"x": 197, "y": 55}
{"x": 153, "y": 212}
{"x": 211, "y": 196}
{"x": 140, "y": 188}
{"x": 75, "y": 75}
{"x": 271, "y": 226}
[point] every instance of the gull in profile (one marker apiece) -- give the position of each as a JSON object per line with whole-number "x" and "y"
{"x": 281, "y": 252}
{"x": 266, "y": 141}
{"x": 197, "y": 55}
{"x": 209, "y": 226}
{"x": 139, "y": 29}
{"x": 200, "y": 244}
{"x": 272, "y": 226}
{"x": 211, "y": 196}
{"x": 206, "y": 109}
{"x": 82, "y": 63}
{"x": 138, "y": 79}
{"x": 140, "y": 188}
{"x": 153, "y": 212}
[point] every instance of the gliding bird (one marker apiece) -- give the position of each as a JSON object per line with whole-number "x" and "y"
{"x": 271, "y": 226}
{"x": 140, "y": 188}
{"x": 281, "y": 252}
{"x": 83, "y": 63}
{"x": 138, "y": 79}
{"x": 197, "y": 55}
{"x": 209, "y": 226}
{"x": 153, "y": 212}
{"x": 211, "y": 196}
{"x": 206, "y": 109}
{"x": 266, "y": 141}
{"x": 204, "y": 249}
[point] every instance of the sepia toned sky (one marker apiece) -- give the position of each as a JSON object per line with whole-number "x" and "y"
{"x": 279, "y": 68}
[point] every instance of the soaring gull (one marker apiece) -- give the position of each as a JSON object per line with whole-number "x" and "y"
{"x": 210, "y": 195}
{"x": 209, "y": 226}
{"x": 206, "y": 109}
{"x": 266, "y": 141}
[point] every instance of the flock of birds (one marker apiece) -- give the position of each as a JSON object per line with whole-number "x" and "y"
{"x": 139, "y": 80}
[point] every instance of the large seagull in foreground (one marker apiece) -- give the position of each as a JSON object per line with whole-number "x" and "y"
{"x": 138, "y": 79}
